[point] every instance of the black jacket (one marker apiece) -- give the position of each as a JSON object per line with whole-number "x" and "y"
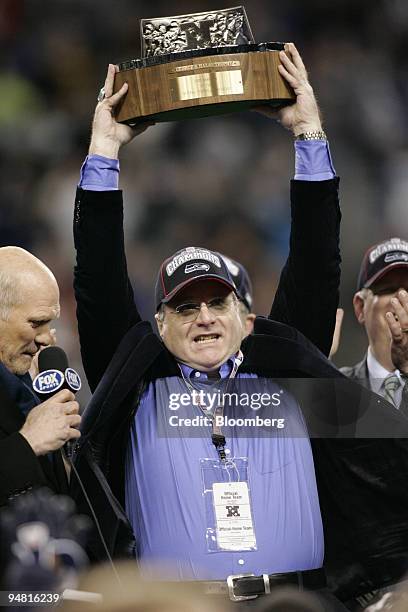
{"x": 358, "y": 372}
{"x": 362, "y": 496}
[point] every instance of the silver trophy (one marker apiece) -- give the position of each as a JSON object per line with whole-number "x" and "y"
{"x": 224, "y": 28}
{"x": 200, "y": 65}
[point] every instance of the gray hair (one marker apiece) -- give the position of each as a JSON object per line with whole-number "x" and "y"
{"x": 160, "y": 312}
{"x": 365, "y": 292}
{"x": 243, "y": 308}
{"x": 10, "y": 294}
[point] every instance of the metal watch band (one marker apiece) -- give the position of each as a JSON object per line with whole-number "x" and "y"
{"x": 312, "y": 135}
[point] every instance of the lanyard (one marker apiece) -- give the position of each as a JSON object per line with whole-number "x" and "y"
{"x": 217, "y": 436}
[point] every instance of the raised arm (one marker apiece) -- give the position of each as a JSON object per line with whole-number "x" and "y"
{"x": 105, "y": 304}
{"x": 308, "y": 291}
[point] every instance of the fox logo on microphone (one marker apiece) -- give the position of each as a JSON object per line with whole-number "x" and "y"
{"x": 48, "y": 381}
{"x": 73, "y": 379}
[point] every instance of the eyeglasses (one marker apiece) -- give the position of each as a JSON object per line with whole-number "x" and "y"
{"x": 189, "y": 312}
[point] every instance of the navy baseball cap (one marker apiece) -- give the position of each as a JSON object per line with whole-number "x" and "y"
{"x": 242, "y": 281}
{"x": 380, "y": 258}
{"x": 189, "y": 265}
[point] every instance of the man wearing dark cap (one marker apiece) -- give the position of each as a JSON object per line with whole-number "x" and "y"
{"x": 381, "y": 306}
{"x": 217, "y": 505}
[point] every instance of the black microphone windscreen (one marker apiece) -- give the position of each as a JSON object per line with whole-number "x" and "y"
{"x": 52, "y": 358}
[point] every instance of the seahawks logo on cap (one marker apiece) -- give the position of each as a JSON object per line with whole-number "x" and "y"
{"x": 196, "y": 267}
{"x": 390, "y": 257}
{"x": 48, "y": 381}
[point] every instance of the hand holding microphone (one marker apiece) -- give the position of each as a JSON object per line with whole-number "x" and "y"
{"x": 50, "y": 424}
{"x": 53, "y": 422}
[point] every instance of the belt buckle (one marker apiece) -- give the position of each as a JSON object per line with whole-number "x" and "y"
{"x": 230, "y": 584}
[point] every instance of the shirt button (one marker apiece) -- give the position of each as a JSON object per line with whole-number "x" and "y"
{"x": 241, "y": 561}
{"x": 197, "y": 374}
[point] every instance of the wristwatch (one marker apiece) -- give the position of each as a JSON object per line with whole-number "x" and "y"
{"x": 312, "y": 135}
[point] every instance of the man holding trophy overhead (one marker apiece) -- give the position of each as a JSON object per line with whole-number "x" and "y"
{"x": 298, "y": 521}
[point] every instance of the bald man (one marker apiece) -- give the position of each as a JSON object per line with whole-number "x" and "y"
{"x": 30, "y": 432}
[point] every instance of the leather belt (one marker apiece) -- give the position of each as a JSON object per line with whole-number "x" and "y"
{"x": 239, "y": 587}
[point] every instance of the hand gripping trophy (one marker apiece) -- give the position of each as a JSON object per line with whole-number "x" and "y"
{"x": 199, "y": 65}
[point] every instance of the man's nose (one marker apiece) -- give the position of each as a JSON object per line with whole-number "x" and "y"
{"x": 205, "y": 316}
{"x": 44, "y": 336}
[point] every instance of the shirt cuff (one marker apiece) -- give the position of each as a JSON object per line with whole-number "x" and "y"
{"x": 313, "y": 161}
{"x": 99, "y": 174}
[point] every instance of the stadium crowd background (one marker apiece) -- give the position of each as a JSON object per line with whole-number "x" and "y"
{"x": 221, "y": 182}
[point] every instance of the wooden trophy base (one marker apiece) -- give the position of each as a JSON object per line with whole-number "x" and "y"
{"x": 194, "y": 84}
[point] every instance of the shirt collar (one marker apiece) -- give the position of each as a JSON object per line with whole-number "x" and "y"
{"x": 377, "y": 373}
{"x": 225, "y": 370}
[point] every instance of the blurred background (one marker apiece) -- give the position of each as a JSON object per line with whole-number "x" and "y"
{"x": 220, "y": 182}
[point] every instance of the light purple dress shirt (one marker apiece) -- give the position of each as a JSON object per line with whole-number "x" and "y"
{"x": 312, "y": 163}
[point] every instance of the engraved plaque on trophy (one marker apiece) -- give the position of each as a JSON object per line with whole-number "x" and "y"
{"x": 199, "y": 65}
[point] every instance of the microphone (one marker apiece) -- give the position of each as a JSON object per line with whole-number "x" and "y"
{"x": 54, "y": 373}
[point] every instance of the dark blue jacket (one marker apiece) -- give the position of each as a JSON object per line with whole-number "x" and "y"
{"x": 20, "y": 469}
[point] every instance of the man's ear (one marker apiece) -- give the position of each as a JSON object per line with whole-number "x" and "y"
{"x": 358, "y": 304}
{"x": 249, "y": 323}
{"x": 159, "y": 321}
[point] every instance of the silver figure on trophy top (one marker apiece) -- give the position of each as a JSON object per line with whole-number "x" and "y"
{"x": 224, "y": 28}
